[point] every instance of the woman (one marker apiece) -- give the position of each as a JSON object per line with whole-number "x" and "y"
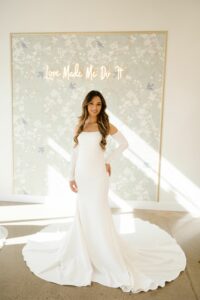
{"x": 91, "y": 249}
{"x": 95, "y": 119}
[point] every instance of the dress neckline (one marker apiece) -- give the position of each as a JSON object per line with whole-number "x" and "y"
{"x": 90, "y": 131}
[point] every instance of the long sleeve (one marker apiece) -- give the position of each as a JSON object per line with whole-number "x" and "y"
{"x": 74, "y": 155}
{"x": 122, "y": 145}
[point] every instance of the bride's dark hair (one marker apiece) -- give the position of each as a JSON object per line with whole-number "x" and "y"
{"x": 102, "y": 118}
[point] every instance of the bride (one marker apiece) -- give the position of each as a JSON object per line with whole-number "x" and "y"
{"x": 91, "y": 249}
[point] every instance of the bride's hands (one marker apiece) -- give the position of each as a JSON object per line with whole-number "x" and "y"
{"x": 73, "y": 186}
{"x": 108, "y": 169}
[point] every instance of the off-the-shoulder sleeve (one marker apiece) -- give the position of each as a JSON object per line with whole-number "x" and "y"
{"x": 73, "y": 159}
{"x": 122, "y": 145}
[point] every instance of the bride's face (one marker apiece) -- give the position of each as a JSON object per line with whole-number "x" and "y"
{"x": 94, "y": 106}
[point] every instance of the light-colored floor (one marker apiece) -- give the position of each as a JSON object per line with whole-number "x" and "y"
{"x": 18, "y": 283}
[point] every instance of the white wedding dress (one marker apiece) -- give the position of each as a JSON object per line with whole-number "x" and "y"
{"x": 3, "y": 235}
{"x": 91, "y": 249}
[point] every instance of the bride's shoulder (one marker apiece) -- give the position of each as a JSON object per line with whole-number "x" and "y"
{"x": 112, "y": 129}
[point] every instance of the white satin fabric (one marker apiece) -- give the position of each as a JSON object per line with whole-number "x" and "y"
{"x": 92, "y": 248}
{"x": 3, "y": 236}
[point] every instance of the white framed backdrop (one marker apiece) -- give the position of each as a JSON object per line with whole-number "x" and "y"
{"x": 51, "y": 74}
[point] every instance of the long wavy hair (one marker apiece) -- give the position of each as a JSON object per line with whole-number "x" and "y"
{"x": 102, "y": 118}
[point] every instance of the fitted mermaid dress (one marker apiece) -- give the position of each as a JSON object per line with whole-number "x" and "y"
{"x": 91, "y": 248}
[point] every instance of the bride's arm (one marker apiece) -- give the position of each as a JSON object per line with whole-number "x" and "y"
{"x": 72, "y": 165}
{"x": 73, "y": 159}
{"x": 122, "y": 144}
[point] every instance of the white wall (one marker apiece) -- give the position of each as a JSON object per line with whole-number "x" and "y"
{"x": 181, "y": 18}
